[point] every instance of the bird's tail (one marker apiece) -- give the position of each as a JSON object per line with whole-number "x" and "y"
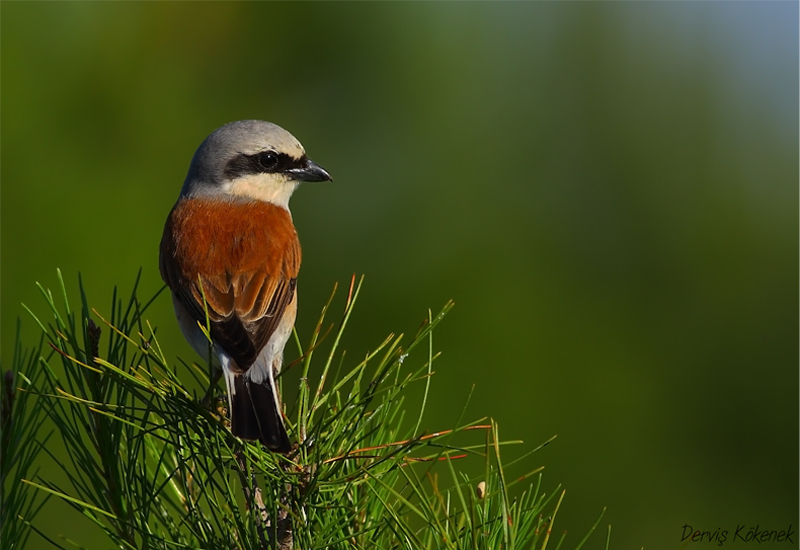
{"x": 255, "y": 414}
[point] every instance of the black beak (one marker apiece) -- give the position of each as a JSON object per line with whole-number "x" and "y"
{"x": 308, "y": 170}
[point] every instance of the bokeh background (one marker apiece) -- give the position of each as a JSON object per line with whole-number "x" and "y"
{"x": 609, "y": 192}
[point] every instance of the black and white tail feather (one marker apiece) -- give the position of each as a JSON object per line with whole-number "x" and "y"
{"x": 255, "y": 407}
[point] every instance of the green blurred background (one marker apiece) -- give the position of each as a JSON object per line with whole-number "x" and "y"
{"x": 609, "y": 192}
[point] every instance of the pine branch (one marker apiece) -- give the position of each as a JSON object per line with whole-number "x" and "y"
{"x": 155, "y": 466}
{"x": 20, "y": 419}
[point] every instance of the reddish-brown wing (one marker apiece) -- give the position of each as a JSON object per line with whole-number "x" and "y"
{"x": 246, "y": 256}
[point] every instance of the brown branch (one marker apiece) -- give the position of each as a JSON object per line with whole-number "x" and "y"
{"x": 405, "y": 442}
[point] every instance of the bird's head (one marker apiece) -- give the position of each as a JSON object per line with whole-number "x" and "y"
{"x": 251, "y": 159}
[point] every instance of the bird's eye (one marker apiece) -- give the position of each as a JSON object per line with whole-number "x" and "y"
{"x": 268, "y": 161}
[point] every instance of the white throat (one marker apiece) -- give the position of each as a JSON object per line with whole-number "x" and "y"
{"x": 274, "y": 188}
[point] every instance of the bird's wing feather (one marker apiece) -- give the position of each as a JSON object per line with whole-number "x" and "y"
{"x": 243, "y": 322}
{"x": 246, "y": 273}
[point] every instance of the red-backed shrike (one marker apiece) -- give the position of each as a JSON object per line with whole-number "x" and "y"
{"x": 230, "y": 241}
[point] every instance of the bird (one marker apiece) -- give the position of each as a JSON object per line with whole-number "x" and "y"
{"x": 230, "y": 250}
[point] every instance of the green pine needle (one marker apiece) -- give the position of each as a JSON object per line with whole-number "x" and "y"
{"x": 152, "y": 465}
